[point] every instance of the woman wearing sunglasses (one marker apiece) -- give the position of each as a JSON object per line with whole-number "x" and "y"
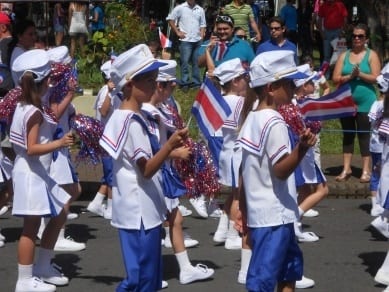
{"x": 359, "y": 67}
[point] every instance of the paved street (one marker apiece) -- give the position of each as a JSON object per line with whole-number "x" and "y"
{"x": 345, "y": 259}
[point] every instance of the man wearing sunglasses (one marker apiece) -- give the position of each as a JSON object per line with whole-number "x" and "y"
{"x": 278, "y": 41}
{"x": 187, "y": 20}
{"x": 223, "y": 45}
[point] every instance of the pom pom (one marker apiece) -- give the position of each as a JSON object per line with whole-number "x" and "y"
{"x": 8, "y": 104}
{"x": 62, "y": 79}
{"x": 89, "y": 131}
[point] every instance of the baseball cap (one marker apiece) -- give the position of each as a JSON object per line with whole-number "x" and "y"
{"x": 136, "y": 61}
{"x": 35, "y": 61}
{"x": 229, "y": 70}
{"x": 167, "y": 72}
{"x": 272, "y": 66}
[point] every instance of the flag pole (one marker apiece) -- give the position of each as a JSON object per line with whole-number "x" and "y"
{"x": 189, "y": 121}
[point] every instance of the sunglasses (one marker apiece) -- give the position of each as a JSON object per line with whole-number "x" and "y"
{"x": 224, "y": 18}
{"x": 358, "y": 36}
{"x": 241, "y": 36}
{"x": 275, "y": 28}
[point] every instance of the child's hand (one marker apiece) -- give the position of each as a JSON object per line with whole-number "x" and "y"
{"x": 111, "y": 85}
{"x": 182, "y": 152}
{"x": 240, "y": 223}
{"x": 67, "y": 140}
{"x": 178, "y": 138}
{"x": 307, "y": 138}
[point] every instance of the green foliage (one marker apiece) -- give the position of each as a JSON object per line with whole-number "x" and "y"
{"x": 123, "y": 30}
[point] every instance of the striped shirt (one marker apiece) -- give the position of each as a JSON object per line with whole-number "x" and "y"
{"x": 241, "y": 15}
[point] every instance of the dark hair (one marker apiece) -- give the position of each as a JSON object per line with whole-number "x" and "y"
{"x": 225, "y": 18}
{"x": 364, "y": 27}
{"x": 18, "y": 29}
{"x": 306, "y": 59}
{"x": 277, "y": 19}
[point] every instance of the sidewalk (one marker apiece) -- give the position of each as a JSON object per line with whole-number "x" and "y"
{"x": 331, "y": 165}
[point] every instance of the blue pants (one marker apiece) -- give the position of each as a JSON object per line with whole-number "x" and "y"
{"x": 329, "y": 36}
{"x": 189, "y": 54}
{"x": 141, "y": 251}
{"x": 276, "y": 257}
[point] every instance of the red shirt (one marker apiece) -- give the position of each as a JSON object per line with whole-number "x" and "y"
{"x": 333, "y": 14}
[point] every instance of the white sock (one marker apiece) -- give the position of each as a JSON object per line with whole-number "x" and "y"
{"x": 183, "y": 260}
{"x": 167, "y": 230}
{"x": 223, "y": 223}
{"x": 109, "y": 204}
{"x": 232, "y": 232}
{"x": 99, "y": 198}
{"x": 245, "y": 258}
{"x": 373, "y": 200}
{"x": 301, "y": 212}
{"x": 24, "y": 272}
{"x": 385, "y": 265}
{"x": 44, "y": 257}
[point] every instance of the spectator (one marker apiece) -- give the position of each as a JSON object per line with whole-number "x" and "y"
{"x": 24, "y": 38}
{"x": 334, "y": 20}
{"x": 359, "y": 67}
{"x": 288, "y": 14}
{"x": 305, "y": 27}
{"x": 97, "y": 18}
{"x": 243, "y": 15}
{"x": 277, "y": 41}
{"x": 78, "y": 26}
{"x": 190, "y": 30}
{"x": 5, "y": 38}
{"x": 59, "y": 23}
{"x": 223, "y": 45}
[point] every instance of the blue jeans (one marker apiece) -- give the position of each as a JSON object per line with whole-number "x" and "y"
{"x": 189, "y": 54}
{"x": 329, "y": 36}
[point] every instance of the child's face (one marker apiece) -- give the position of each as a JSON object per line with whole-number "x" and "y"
{"x": 309, "y": 88}
{"x": 143, "y": 86}
{"x": 283, "y": 91}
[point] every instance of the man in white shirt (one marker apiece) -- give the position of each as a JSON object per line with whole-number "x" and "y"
{"x": 187, "y": 20}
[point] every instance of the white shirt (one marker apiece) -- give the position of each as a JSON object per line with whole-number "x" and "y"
{"x": 375, "y": 118}
{"x": 190, "y": 20}
{"x": 264, "y": 140}
{"x": 101, "y": 95}
{"x": 135, "y": 199}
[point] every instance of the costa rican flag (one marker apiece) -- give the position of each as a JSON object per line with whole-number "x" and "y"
{"x": 210, "y": 109}
{"x": 384, "y": 127}
{"x": 165, "y": 42}
{"x": 337, "y": 104}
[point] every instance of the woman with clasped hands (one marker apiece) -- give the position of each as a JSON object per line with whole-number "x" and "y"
{"x": 359, "y": 67}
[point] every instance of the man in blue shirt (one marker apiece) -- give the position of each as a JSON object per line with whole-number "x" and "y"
{"x": 277, "y": 40}
{"x": 288, "y": 14}
{"x": 223, "y": 45}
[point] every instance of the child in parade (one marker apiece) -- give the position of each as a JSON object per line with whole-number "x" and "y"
{"x": 268, "y": 162}
{"x": 158, "y": 111}
{"x": 105, "y": 104}
{"x": 36, "y": 194}
{"x": 233, "y": 79}
{"x": 381, "y": 223}
{"x": 138, "y": 205}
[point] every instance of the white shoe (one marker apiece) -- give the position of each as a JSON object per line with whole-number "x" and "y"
{"x": 242, "y": 277}
{"x": 386, "y": 290}
{"x": 214, "y": 210}
{"x": 381, "y": 224}
{"x": 2, "y": 243}
{"x": 233, "y": 243}
{"x": 188, "y": 241}
{"x": 71, "y": 216}
{"x": 184, "y": 210}
{"x": 52, "y": 275}
{"x": 308, "y": 236}
{"x": 2, "y": 237}
{"x": 97, "y": 209}
{"x": 382, "y": 277}
{"x": 107, "y": 213}
{"x": 376, "y": 210}
{"x": 164, "y": 284}
{"x": 311, "y": 213}
{"x": 3, "y": 210}
{"x": 68, "y": 244}
{"x": 33, "y": 284}
{"x": 199, "y": 205}
{"x": 305, "y": 283}
{"x": 199, "y": 272}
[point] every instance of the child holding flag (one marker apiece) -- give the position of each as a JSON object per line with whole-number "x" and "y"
{"x": 268, "y": 162}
